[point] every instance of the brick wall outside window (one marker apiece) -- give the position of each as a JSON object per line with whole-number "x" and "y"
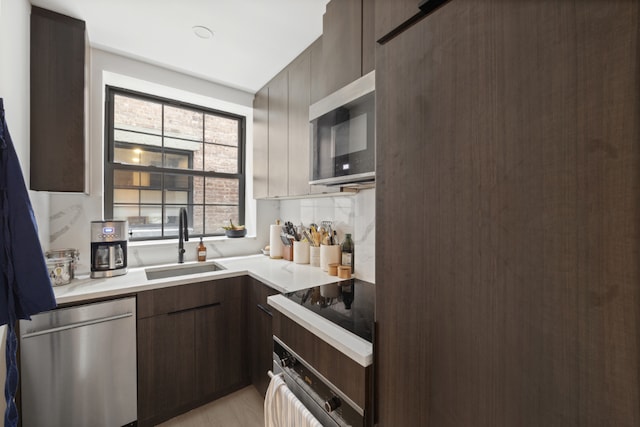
{"x": 211, "y": 141}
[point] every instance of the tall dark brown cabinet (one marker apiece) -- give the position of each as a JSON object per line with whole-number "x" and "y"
{"x": 57, "y": 102}
{"x": 508, "y": 216}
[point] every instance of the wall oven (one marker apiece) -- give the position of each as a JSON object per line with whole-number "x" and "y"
{"x": 343, "y": 135}
{"x": 330, "y": 406}
{"x": 335, "y": 388}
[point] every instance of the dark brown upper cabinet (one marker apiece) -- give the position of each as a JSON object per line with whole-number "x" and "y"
{"x": 281, "y": 129}
{"x": 299, "y": 145}
{"x": 341, "y": 44}
{"x": 348, "y": 45}
{"x": 58, "y": 52}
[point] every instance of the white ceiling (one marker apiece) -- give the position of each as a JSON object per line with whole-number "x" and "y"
{"x": 253, "y": 39}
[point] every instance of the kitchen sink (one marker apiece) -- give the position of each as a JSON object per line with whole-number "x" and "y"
{"x": 180, "y": 270}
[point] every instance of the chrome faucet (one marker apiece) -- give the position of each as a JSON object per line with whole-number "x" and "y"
{"x": 183, "y": 233}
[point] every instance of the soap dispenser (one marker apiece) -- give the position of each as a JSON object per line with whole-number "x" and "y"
{"x": 202, "y": 251}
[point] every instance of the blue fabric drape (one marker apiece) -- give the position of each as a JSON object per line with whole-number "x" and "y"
{"x": 25, "y": 288}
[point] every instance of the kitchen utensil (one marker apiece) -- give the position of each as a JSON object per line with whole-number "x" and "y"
{"x": 285, "y": 240}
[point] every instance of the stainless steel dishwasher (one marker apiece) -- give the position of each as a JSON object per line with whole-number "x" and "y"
{"x": 78, "y": 366}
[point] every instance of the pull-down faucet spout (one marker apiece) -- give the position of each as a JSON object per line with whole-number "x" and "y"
{"x": 183, "y": 234}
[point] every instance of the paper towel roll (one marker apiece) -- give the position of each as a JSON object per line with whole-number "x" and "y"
{"x": 275, "y": 243}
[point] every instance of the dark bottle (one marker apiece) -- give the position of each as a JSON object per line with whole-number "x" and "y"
{"x": 347, "y": 252}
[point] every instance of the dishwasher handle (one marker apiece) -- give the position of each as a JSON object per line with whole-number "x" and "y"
{"x": 77, "y": 325}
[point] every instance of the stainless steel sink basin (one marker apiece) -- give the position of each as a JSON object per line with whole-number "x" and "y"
{"x": 180, "y": 270}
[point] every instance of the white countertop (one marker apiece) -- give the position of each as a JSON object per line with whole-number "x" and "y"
{"x": 349, "y": 344}
{"x": 283, "y": 276}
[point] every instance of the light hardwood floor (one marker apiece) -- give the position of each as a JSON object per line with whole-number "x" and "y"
{"x": 244, "y": 408}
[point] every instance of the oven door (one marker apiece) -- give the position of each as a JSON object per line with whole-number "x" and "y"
{"x": 327, "y": 403}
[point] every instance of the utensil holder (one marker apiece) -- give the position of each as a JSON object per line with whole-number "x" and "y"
{"x": 301, "y": 252}
{"x": 329, "y": 254}
{"x": 287, "y": 252}
{"x": 314, "y": 256}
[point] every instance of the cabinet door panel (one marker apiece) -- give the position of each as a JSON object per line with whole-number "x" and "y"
{"x": 259, "y": 333}
{"x": 278, "y": 136}
{"x": 341, "y": 44}
{"x": 521, "y": 305}
{"x": 212, "y": 374}
{"x": 261, "y": 144}
{"x": 315, "y": 53}
{"x": 57, "y": 102}
{"x": 166, "y": 369}
{"x": 368, "y": 36}
{"x": 299, "y": 134}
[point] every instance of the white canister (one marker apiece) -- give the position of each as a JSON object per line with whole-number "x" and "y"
{"x": 276, "y": 247}
{"x": 314, "y": 256}
{"x": 301, "y": 252}
{"x": 329, "y": 254}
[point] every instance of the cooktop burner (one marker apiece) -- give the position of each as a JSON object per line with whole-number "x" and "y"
{"x": 349, "y": 304}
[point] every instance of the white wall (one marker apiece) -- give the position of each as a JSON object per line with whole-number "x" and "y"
{"x": 353, "y": 214}
{"x": 14, "y": 89}
{"x": 71, "y": 214}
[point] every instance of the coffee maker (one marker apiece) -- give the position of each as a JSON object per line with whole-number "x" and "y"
{"x": 108, "y": 248}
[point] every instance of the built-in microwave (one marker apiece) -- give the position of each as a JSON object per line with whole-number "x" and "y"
{"x": 343, "y": 135}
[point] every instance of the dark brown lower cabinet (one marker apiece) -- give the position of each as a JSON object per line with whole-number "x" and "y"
{"x": 166, "y": 371}
{"x": 260, "y": 335}
{"x": 508, "y": 142}
{"x": 191, "y": 347}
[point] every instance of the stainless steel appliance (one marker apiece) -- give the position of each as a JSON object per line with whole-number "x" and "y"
{"x": 350, "y": 305}
{"x": 325, "y": 401}
{"x": 109, "y": 248}
{"x": 343, "y": 135}
{"x": 78, "y": 366}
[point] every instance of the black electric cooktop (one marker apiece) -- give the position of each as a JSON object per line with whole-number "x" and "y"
{"x": 349, "y": 304}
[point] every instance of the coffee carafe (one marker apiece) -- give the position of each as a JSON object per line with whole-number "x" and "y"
{"x": 108, "y": 248}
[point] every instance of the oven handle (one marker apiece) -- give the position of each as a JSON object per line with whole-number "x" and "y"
{"x": 289, "y": 373}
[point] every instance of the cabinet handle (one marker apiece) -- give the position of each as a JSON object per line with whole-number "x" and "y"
{"x": 265, "y": 309}
{"x": 171, "y": 313}
{"x": 77, "y": 325}
{"x": 425, "y": 6}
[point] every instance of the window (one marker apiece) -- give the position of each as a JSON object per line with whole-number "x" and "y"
{"x": 163, "y": 155}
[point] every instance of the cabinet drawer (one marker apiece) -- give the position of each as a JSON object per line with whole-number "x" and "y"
{"x": 181, "y": 297}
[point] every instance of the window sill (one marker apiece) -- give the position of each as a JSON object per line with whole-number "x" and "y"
{"x": 174, "y": 242}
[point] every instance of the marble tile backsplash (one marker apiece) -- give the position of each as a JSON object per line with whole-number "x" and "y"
{"x": 353, "y": 214}
{"x": 70, "y": 217}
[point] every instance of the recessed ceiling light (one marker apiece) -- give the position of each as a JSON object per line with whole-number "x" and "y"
{"x": 202, "y": 32}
